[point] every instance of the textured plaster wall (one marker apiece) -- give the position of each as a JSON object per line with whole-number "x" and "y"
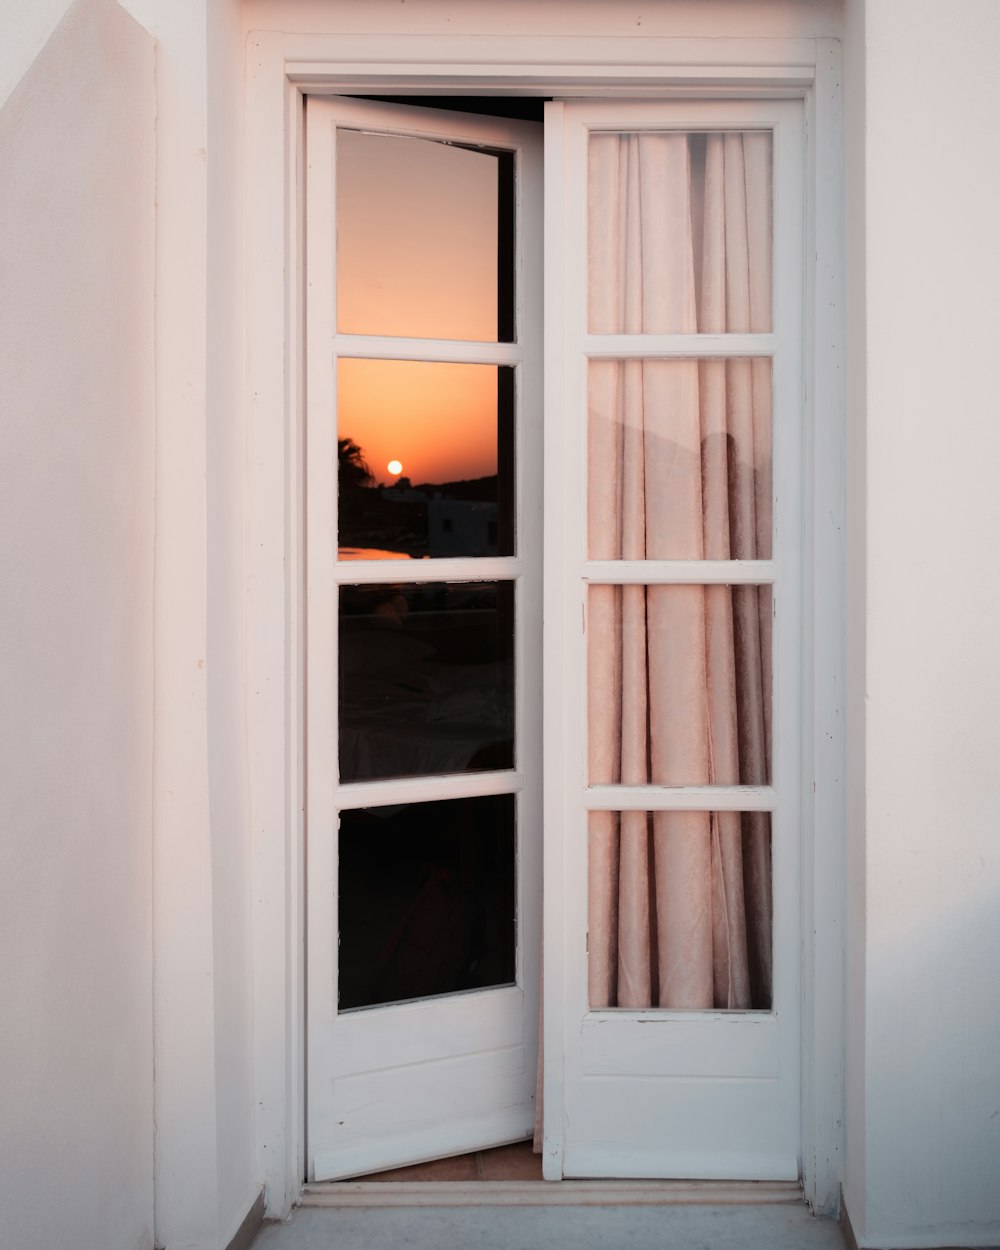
{"x": 207, "y": 1168}
{"x": 76, "y": 515}
{"x": 924, "y": 1118}
{"x": 238, "y": 1171}
{"x": 683, "y": 18}
{"x": 76, "y": 543}
{"x": 26, "y": 30}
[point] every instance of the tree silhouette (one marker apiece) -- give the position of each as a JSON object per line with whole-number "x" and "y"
{"x": 353, "y": 467}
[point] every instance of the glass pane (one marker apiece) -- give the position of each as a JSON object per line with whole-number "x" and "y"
{"x": 424, "y": 238}
{"x": 426, "y": 679}
{"x": 679, "y": 460}
{"x": 680, "y": 233}
{"x": 679, "y": 685}
{"x": 427, "y": 899}
{"x": 426, "y": 455}
{"x": 680, "y": 910}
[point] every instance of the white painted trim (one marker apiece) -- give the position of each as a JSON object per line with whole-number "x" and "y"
{"x": 620, "y": 798}
{"x": 680, "y": 572}
{"x": 557, "y": 718}
{"x": 376, "y": 347}
{"x": 944, "y": 1240}
{"x": 824, "y": 597}
{"x": 278, "y": 65}
{"x": 676, "y": 346}
{"x": 434, "y": 63}
{"x": 273, "y": 411}
{"x": 426, "y": 789}
{"x": 472, "y": 569}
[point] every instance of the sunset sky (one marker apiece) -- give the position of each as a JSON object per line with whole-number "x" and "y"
{"x": 438, "y": 420}
{"x": 417, "y": 257}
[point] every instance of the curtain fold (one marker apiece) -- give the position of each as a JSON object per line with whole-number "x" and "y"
{"x": 679, "y": 677}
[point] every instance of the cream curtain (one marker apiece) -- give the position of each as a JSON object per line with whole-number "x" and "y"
{"x": 679, "y": 468}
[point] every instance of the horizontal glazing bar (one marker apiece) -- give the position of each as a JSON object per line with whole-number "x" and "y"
{"x": 379, "y": 347}
{"x": 478, "y": 569}
{"x": 681, "y": 572}
{"x": 683, "y": 346}
{"x": 424, "y": 789}
{"x": 680, "y": 798}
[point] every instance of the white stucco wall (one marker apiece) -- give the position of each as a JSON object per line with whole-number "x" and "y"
{"x": 206, "y": 1159}
{"x": 26, "y": 30}
{"x": 76, "y": 513}
{"x": 683, "y": 18}
{"x": 238, "y": 1171}
{"x": 76, "y": 342}
{"x": 924, "y": 995}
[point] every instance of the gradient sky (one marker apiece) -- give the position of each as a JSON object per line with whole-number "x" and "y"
{"x": 417, "y": 257}
{"x": 440, "y": 420}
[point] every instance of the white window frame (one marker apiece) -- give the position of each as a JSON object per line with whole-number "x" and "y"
{"x": 280, "y": 68}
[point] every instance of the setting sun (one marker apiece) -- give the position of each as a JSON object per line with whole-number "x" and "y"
{"x": 437, "y": 419}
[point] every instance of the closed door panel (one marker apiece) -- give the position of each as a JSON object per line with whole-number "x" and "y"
{"x": 673, "y": 639}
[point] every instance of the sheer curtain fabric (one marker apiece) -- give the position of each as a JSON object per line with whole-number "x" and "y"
{"x": 679, "y": 676}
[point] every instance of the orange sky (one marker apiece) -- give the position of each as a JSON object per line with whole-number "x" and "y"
{"x": 440, "y": 420}
{"x": 417, "y": 257}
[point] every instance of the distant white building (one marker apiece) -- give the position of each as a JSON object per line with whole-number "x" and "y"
{"x": 461, "y": 527}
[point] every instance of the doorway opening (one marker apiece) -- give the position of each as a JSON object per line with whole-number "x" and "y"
{"x": 672, "y": 653}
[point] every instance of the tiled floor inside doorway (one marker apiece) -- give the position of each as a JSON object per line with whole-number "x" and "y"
{"x": 504, "y": 1163}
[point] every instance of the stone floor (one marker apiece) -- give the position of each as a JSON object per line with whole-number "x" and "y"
{"x": 418, "y": 1218}
{"x": 786, "y": 1226}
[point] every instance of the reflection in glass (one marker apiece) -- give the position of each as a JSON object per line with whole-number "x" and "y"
{"x": 680, "y": 910}
{"x": 426, "y": 454}
{"x": 680, "y": 233}
{"x": 679, "y": 460}
{"x": 427, "y": 899}
{"x": 424, "y": 238}
{"x": 426, "y": 679}
{"x": 679, "y": 685}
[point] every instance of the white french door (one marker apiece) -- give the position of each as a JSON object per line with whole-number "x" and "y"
{"x": 672, "y": 502}
{"x": 423, "y": 488}
{"x": 674, "y": 391}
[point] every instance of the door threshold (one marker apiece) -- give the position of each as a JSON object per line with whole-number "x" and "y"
{"x": 568, "y": 1193}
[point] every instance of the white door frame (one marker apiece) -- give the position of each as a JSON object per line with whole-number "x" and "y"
{"x": 280, "y": 68}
